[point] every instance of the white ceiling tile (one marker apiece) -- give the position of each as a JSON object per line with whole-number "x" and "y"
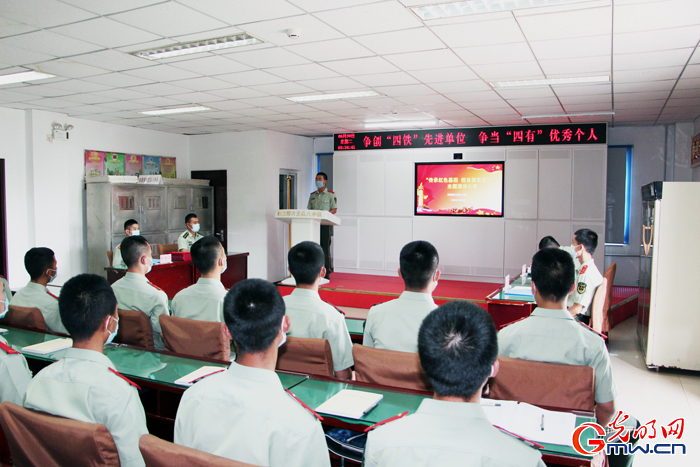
{"x": 595, "y": 99}
{"x": 640, "y": 96}
{"x": 589, "y": 107}
{"x": 113, "y": 60}
{"x": 649, "y": 16}
{"x": 509, "y": 71}
{"x": 196, "y": 97}
{"x": 122, "y": 94}
{"x": 502, "y": 31}
{"x": 338, "y": 49}
{"x": 370, "y": 19}
{"x": 338, "y": 105}
{"x": 685, "y": 93}
{"x": 69, "y": 68}
{"x": 387, "y": 79}
{"x": 237, "y": 93}
{"x": 210, "y": 34}
{"x": 48, "y": 42}
{"x": 688, "y": 83}
{"x": 480, "y": 96}
{"x": 160, "y": 89}
{"x": 80, "y": 86}
{"x": 54, "y": 103}
{"x": 640, "y": 104}
{"x": 538, "y": 101}
{"x": 661, "y": 39}
{"x": 203, "y": 83}
{"x": 235, "y": 13}
{"x": 52, "y": 13}
{"x": 332, "y": 84}
{"x": 696, "y": 57}
{"x": 465, "y": 122}
{"x": 44, "y": 90}
{"x": 572, "y": 48}
{"x": 275, "y": 31}
{"x": 124, "y": 105}
{"x": 153, "y": 102}
{"x": 461, "y": 86}
{"x": 405, "y": 90}
{"x": 528, "y": 92}
{"x": 442, "y": 75}
{"x": 268, "y": 58}
{"x": 665, "y": 58}
{"x": 250, "y": 78}
{"x": 289, "y": 108}
{"x": 267, "y": 101}
{"x": 9, "y": 27}
{"x": 89, "y": 109}
{"x": 426, "y": 60}
{"x": 105, "y": 7}
{"x": 286, "y": 88}
{"x": 694, "y": 101}
{"x": 576, "y": 23}
{"x": 302, "y": 72}
{"x": 500, "y": 53}
{"x": 10, "y": 55}
{"x": 691, "y": 71}
{"x": 568, "y": 67}
{"x": 169, "y": 19}
{"x": 652, "y": 74}
{"x": 582, "y": 89}
{"x": 211, "y": 65}
{"x": 13, "y": 96}
{"x": 397, "y": 42}
{"x": 228, "y": 105}
{"x": 118, "y": 80}
{"x": 86, "y": 98}
{"x": 106, "y": 32}
{"x": 322, "y": 5}
{"x": 363, "y": 66}
{"x": 665, "y": 85}
{"x": 427, "y": 99}
{"x": 162, "y": 73}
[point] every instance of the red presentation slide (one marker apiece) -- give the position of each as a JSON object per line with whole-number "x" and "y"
{"x": 460, "y": 188}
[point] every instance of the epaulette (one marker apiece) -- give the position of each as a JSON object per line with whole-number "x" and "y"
{"x": 52, "y": 295}
{"x": 593, "y": 330}
{"x": 304, "y": 405}
{"x": 8, "y": 349}
{"x": 329, "y": 191}
{"x": 532, "y": 444}
{"x": 153, "y": 285}
{"x": 187, "y": 234}
{"x": 384, "y": 422}
{"x": 337, "y": 309}
{"x": 513, "y": 322}
{"x": 583, "y": 270}
{"x": 124, "y": 378}
{"x": 3, "y": 277}
{"x": 313, "y": 192}
{"x": 119, "y": 247}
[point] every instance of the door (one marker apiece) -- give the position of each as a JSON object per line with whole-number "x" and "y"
{"x": 202, "y": 206}
{"x": 179, "y": 205}
{"x": 217, "y": 180}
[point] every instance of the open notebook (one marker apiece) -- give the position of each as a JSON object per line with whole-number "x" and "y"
{"x": 191, "y": 378}
{"x": 349, "y": 403}
{"x": 45, "y": 348}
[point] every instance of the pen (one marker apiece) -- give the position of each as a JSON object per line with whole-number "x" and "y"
{"x": 542, "y": 423}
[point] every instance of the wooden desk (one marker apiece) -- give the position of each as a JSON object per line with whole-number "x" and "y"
{"x": 176, "y": 276}
{"x": 356, "y": 328}
{"x": 505, "y": 308}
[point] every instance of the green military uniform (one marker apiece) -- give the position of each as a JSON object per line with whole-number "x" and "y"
{"x": 324, "y": 201}
{"x": 38, "y": 296}
{"x": 554, "y": 336}
{"x": 14, "y": 374}
{"x": 309, "y": 316}
{"x": 187, "y": 239}
{"x": 394, "y": 325}
{"x": 203, "y": 301}
{"x": 82, "y": 386}
{"x": 588, "y": 278}
{"x": 245, "y": 414}
{"x": 135, "y": 292}
{"x": 444, "y": 433}
{"x": 117, "y": 260}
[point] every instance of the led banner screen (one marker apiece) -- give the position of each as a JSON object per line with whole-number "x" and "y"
{"x": 459, "y": 189}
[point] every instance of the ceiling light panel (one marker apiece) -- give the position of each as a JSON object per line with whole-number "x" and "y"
{"x": 551, "y": 81}
{"x": 24, "y": 77}
{"x": 175, "y": 111}
{"x": 208, "y": 45}
{"x": 477, "y": 7}
{"x": 325, "y": 97}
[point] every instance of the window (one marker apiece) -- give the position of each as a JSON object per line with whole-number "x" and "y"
{"x": 617, "y": 215}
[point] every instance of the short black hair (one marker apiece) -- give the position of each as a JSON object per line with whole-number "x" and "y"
{"x": 253, "y": 313}
{"x": 132, "y": 248}
{"x": 206, "y": 253}
{"x": 129, "y": 223}
{"x": 323, "y": 174}
{"x": 189, "y": 217}
{"x": 553, "y": 273}
{"x": 587, "y": 238}
{"x": 418, "y": 262}
{"x": 37, "y": 261}
{"x": 548, "y": 242}
{"x": 457, "y": 345}
{"x": 305, "y": 262}
{"x": 84, "y": 302}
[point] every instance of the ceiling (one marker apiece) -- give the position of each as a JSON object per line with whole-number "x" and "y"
{"x": 433, "y": 69}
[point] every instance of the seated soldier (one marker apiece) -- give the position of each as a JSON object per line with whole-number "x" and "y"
{"x": 84, "y": 384}
{"x": 205, "y": 299}
{"x": 588, "y": 278}
{"x": 394, "y": 325}
{"x": 548, "y": 242}
{"x": 131, "y": 227}
{"x": 310, "y": 316}
{"x": 552, "y": 335}
{"x": 244, "y": 413}
{"x": 457, "y": 345}
{"x": 14, "y": 372}
{"x": 135, "y": 292}
{"x": 41, "y": 265}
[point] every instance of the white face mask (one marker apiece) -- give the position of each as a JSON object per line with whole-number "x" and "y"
{"x": 55, "y": 273}
{"x": 134, "y": 233}
{"x": 319, "y": 184}
{"x": 5, "y": 307}
{"x": 150, "y": 266}
{"x": 112, "y": 335}
{"x": 195, "y": 228}
{"x": 284, "y": 335}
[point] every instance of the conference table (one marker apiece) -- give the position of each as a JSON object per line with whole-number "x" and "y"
{"x": 156, "y": 371}
{"x": 506, "y": 307}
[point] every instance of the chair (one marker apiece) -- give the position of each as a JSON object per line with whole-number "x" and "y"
{"x": 24, "y": 316}
{"x": 39, "y": 439}
{"x": 207, "y": 339}
{"x": 160, "y": 453}
{"x": 166, "y": 248}
{"x": 569, "y": 387}
{"x": 134, "y": 329}
{"x": 110, "y": 257}
{"x": 389, "y": 368}
{"x": 306, "y": 355}
{"x": 607, "y": 312}
{"x": 599, "y": 319}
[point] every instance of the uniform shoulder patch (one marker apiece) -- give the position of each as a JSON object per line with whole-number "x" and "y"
{"x": 119, "y": 247}
{"x": 187, "y": 234}
{"x": 304, "y": 405}
{"x": 52, "y": 295}
{"x": 581, "y": 287}
{"x": 155, "y": 286}
{"x": 592, "y": 330}
{"x": 125, "y": 378}
{"x": 8, "y": 349}
{"x": 583, "y": 270}
{"x": 329, "y": 191}
{"x": 384, "y": 422}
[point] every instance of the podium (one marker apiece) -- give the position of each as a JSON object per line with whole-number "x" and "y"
{"x": 306, "y": 226}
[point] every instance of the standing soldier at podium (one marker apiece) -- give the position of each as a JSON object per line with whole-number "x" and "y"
{"x": 324, "y": 200}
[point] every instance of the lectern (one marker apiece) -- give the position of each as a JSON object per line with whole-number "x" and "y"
{"x": 306, "y": 225}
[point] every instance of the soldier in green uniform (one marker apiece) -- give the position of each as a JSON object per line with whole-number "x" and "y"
{"x": 131, "y": 227}
{"x": 191, "y": 235}
{"x": 324, "y": 200}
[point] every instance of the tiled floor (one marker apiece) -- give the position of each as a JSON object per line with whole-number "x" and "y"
{"x": 647, "y": 394}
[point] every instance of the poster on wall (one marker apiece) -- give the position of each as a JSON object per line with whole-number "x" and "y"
{"x": 167, "y": 167}
{"x": 133, "y": 165}
{"x": 151, "y": 165}
{"x": 94, "y": 163}
{"x": 695, "y": 151}
{"x": 114, "y": 163}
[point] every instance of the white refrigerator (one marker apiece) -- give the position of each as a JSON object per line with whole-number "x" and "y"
{"x": 669, "y": 297}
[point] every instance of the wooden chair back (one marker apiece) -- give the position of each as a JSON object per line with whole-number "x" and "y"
{"x": 389, "y": 368}
{"x": 599, "y": 318}
{"x": 24, "y": 316}
{"x": 610, "y": 276}
{"x": 39, "y": 439}
{"x": 193, "y": 337}
{"x": 569, "y": 387}
{"x": 110, "y": 257}
{"x": 160, "y": 453}
{"x": 134, "y": 329}
{"x": 306, "y": 355}
{"x": 166, "y": 248}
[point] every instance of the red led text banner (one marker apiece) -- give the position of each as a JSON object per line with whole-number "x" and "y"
{"x": 530, "y": 135}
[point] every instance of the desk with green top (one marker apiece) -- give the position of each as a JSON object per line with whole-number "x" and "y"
{"x": 505, "y": 308}
{"x": 156, "y": 371}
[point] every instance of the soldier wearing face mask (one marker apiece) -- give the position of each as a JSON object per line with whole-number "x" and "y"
{"x": 41, "y": 265}
{"x": 131, "y": 227}
{"x": 324, "y": 200}
{"x": 191, "y": 235}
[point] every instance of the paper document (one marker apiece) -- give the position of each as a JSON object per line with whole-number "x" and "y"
{"x": 519, "y": 290}
{"x": 531, "y": 422}
{"x": 3, "y": 331}
{"x": 45, "y": 348}
{"x": 191, "y": 378}
{"x": 349, "y": 403}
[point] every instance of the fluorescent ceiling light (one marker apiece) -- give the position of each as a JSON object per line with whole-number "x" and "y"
{"x": 328, "y": 97}
{"x": 24, "y": 76}
{"x": 476, "y": 7}
{"x": 551, "y": 81}
{"x": 180, "y": 110}
{"x": 401, "y": 124}
{"x": 577, "y": 114}
{"x": 207, "y": 45}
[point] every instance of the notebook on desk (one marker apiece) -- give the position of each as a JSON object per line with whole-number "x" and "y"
{"x": 45, "y": 348}
{"x": 3, "y": 331}
{"x": 349, "y": 403}
{"x": 531, "y": 422}
{"x": 191, "y": 378}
